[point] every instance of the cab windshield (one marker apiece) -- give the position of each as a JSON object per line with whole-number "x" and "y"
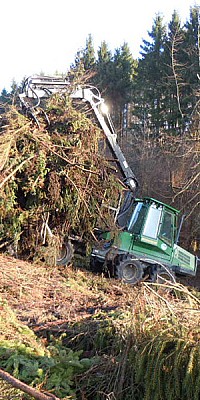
{"x": 137, "y": 219}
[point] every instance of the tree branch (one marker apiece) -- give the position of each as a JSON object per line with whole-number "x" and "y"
{"x": 173, "y": 50}
{"x": 16, "y": 383}
{"x": 15, "y": 170}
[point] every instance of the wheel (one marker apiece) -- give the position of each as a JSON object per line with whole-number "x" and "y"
{"x": 129, "y": 270}
{"x": 65, "y": 254}
{"x": 96, "y": 265}
{"x": 163, "y": 275}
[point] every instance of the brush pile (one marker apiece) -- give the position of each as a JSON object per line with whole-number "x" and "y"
{"x": 52, "y": 176}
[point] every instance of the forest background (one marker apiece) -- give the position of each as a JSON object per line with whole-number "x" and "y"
{"x": 154, "y": 102}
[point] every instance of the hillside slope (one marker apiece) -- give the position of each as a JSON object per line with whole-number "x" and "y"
{"x": 133, "y": 341}
{"x": 41, "y": 294}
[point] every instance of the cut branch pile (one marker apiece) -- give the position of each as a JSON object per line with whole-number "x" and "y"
{"x": 52, "y": 175}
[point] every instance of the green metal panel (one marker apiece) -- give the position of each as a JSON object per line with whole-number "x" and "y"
{"x": 143, "y": 246}
{"x": 150, "y": 250}
{"x": 185, "y": 261}
{"x": 124, "y": 241}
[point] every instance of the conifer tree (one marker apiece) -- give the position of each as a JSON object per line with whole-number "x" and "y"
{"x": 4, "y": 96}
{"x": 121, "y": 87}
{"x": 149, "y": 85}
{"x": 84, "y": 61}
{"x": 173, "y": 81}
{"x": 191, "y": 49}
{"x": 89, "y": 59}
{"x": 104, "y": 69}
{"x": 181, "y": 53}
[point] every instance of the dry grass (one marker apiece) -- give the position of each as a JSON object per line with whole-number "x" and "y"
{"x": 41, "y": 294}
{"x": 142, "y": 335}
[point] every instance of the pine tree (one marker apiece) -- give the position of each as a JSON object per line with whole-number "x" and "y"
{"x": 84, "y": 62}
{"x": 182, "y": 60}
{"x": 121, "y": 86}
{"x": 173, "y": 81}
{"x": 104, "y": 70}
{"x": 149, "y": 86}
{"x": 192, "y": 63}
{"x": 89, "y": 59}
{"x": 11, "y": 96}
{"x": 4, "y": 97}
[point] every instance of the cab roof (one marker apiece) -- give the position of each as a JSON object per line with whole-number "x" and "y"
{"x": 152, "y": 200}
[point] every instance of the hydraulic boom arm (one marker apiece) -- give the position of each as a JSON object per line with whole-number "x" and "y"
{"x": 38, "y": 87}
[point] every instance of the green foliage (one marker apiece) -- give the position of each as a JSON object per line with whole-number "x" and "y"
{"x": 166, "y": 88}
{"x": 55, "y": 370}
{"x": 89, "y": 54}
{"x": 145, "y": 352}
{"x": 148, "y": 348}
{"x": 52, "y": 172}
{"x": 5, "y": 98}
{"x": 23, "y": 355}
{"x": 149, "y": 81}
{"x": 169, "y": 366}
{"x": 124, "y": 74}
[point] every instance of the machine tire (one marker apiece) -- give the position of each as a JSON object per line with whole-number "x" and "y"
{"x": 129, "y": 270}
{"x": 164, "y": 275}
{"x": 96, "y": 266}
{"x": 65, "y": 254}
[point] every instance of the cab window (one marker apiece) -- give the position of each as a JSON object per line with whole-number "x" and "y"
{"x": 152, "y": 222}
{"x": 137, "y": 219}
{"x": 166, "y": 230}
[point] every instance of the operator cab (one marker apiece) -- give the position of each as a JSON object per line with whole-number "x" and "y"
{"x": 150, "y": 219}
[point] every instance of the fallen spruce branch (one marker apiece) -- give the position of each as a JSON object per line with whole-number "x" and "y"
{"x": 15, "y": 170}
{"x": 16, "y": 383}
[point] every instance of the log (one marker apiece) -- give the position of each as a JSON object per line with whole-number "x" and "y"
{"x": 16, "y": 383}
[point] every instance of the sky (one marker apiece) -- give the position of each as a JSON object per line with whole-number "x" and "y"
{"x": 44, "y": 35}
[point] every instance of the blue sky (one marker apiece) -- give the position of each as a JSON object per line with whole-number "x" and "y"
{"x": 41, "y": 35}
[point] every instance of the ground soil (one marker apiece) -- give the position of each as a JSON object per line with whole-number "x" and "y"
{"x": 49, "y": 298}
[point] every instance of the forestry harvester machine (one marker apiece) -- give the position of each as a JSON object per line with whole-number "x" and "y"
{"x": 146, "y": 245}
